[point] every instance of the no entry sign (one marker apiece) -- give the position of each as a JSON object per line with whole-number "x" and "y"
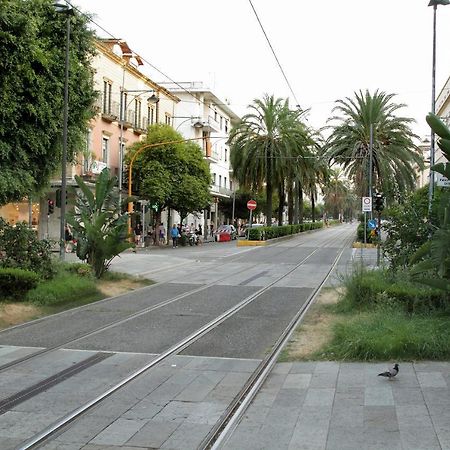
{"x": 251, "y": 205}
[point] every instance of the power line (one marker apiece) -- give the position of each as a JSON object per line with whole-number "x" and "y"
{"x": 141, "y": 57}
{"x": 274, "y": 54}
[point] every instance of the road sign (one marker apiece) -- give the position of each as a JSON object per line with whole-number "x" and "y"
{"x": 366, "y": 204}
{"x": 372, "y": 224}
{"x": 442, "y": 181}
{"x": 251, "y": 205}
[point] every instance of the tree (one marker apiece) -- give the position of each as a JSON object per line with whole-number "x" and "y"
{"x": 32, "y": 63}
{"x": 262, "y": 145}
{"x": 394, "y": 154}
{"x": 97, "y": 223}
{"x": 337, "y": 194}
{"x": 171, "y": 175}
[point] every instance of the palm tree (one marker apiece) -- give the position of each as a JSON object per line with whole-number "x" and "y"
{"x": 337, "y": 194}
{"x": 262, "y": 145}
{"x": 394, "y": 154}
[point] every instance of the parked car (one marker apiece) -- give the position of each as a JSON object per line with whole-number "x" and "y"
{"x": 225, "y": 229}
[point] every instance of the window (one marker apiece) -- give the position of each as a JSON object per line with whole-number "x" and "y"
{"x": 137, "y": 114}
{"x": 215, "y": 116}
{"x": 226, "y": 126}
{"x": 87, "y": 153}
{"x": 124, "y": 107}
{"x": 225, "y": 182}
{"x": 151, "y": 115}
{"x": 220, "y": 180}
{"x": 226, "y": 155}
{"x": 221, "y": 122}
{"x": 107, "y": 90}
{"x": 168, "y": 119}
{"x": 231, "y": 185}
{"x": 214, "y": 179}
{"x": 105, "y": 149}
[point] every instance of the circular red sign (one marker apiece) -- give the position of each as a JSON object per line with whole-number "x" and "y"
{"x": 251, "y": 205}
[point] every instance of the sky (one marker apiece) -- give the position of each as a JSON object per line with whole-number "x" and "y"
{"x": 328, "y": 49}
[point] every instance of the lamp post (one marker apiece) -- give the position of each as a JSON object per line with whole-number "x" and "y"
{"x": 197, "y": 124}
{"x": 434, "y": 4}
{"x": 66, "y": 9}
{"x": 153, "y": 99}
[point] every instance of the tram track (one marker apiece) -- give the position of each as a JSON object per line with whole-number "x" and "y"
{"x": 187, "y": 341}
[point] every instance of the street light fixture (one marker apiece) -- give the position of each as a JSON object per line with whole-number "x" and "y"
{"x": 153, "y": 99}
{"x": 64, "y": 8}
{"x": 434, "y": 4}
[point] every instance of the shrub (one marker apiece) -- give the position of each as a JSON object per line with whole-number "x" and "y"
{"x": 15, "y": 283}
{"x": 20, "y": 248}
{"x": 263, "y": 233}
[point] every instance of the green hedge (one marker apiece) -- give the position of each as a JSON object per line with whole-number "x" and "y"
{"x": 15, "y": 283}
{"x": 265, "y": 233}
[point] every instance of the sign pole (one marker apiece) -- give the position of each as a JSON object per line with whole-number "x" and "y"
{"x": 250, "y": 222}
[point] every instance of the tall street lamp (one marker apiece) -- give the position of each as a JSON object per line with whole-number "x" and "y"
{"x": 66, "y": 9}
{"x": 123, "y": 108}
{"x": 434, "y": 4}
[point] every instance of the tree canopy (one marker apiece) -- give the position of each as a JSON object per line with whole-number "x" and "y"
{"x": 170, "y": 175}
{"x": 395, "y": 156}
{"x": 32, "y": 64}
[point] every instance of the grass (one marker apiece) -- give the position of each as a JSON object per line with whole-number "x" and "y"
{"x": 379, "y": 316}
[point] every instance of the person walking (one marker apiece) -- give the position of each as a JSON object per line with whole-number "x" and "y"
{"x": 175, "y": 235}
{"x": 137, "y": 234}
{"x": 161, "y": 234}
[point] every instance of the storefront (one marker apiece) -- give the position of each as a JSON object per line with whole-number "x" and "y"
{"x": 21, "y": 212}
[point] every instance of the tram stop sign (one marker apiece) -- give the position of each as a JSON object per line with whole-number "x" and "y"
{"x": 251, "y": 205}
{"x": 372, "y": 224}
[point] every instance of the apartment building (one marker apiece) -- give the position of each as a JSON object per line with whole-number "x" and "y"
{"x": 201, "y": 113}
{"x": 128, "y": 102}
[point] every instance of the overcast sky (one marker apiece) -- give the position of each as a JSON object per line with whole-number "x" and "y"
{"x": 328, "y": 49}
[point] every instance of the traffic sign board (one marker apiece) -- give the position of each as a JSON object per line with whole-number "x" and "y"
{"x": 251, "y": 205}
{"x": 372, "y": 224}
{"x": 366, "y": 204}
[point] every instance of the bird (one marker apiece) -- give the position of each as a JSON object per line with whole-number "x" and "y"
{"x": 391, "y": 373}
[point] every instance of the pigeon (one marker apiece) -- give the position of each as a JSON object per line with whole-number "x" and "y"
{"x": 391, "y": 373}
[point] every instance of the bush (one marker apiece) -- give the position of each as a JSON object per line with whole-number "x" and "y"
{"x": 20, "y": 248}
{"x": 366, "y": 289}
{"x": 263, "y": 233}
{"x": 15, "y": 283}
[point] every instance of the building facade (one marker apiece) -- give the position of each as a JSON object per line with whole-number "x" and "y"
{"x": 201, "y": 113}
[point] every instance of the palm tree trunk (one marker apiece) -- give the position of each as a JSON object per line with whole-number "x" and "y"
{"x": 290, "y": 194}
{"x": 281, "y": 195}
{"x": 269, "y": 192}
{"x": 300, "y": 204}
{"x": 296, "y": 202}
{"x": 313, "y": 206}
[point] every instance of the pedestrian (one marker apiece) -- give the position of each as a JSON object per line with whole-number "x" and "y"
{"x": 175, "y": 235}
{"x": 68, "y": 238}
{"x": 200, "y": 232}
{"x": 161, "y": 234}
{"x": 137, "y": 234}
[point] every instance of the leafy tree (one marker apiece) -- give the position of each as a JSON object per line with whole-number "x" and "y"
{"x": 97, "y": 223}
{"x": 394, "y": 154}
{"x": 171, "y": 175}
{"x": 32, "y": 64}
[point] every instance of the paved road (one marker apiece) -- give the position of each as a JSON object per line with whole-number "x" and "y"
{"x": 176, "y": 404}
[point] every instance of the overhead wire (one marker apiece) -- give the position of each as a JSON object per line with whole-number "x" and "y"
{"x": 275, "y": 55}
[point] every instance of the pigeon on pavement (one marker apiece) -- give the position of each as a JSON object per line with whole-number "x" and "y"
{"x": 391, "y": 373}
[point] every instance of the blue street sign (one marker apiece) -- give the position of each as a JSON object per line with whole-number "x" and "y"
{"x": 372, "y": 224}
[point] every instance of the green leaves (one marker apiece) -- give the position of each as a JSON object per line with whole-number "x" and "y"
{"x": 97, "y": 223}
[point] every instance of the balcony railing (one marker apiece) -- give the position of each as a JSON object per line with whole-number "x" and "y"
{"x": 225, "y": 192}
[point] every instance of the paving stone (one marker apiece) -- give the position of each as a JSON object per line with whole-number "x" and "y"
{"x": 200, "y": 387}
{"x": 187, "y": 436}
{"x": 303, "y": 367}
{"x": 431, "y": 380}
{"x": 206, "y": 413}
{"x": 378, "y": 396}
{"x": 119, "y": 432}
{"x": 175, "y": 411}
{"x": 441, "y": 426}
{"x": 319, "y": 397}
{"x": 324, "y": 379}
{"x": 315, "y": 416}
{"x": 246, "y": 437}
{"x": 413, "y": 416}
{"x": 145, "y": 409}
{"x": 308, "y": 437}
{"x": 408, "y": 396}
{"x": 352, "y": 416}
{"x": 380, "y": 418}
{"x": 419, "y": 438}
{"x": 290, "y": 398}
{"x": 83, "y": 430}
{"x": 282, "y": 368}
{"x": 153, "y": 434}
{"x": 297, "y": 381}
